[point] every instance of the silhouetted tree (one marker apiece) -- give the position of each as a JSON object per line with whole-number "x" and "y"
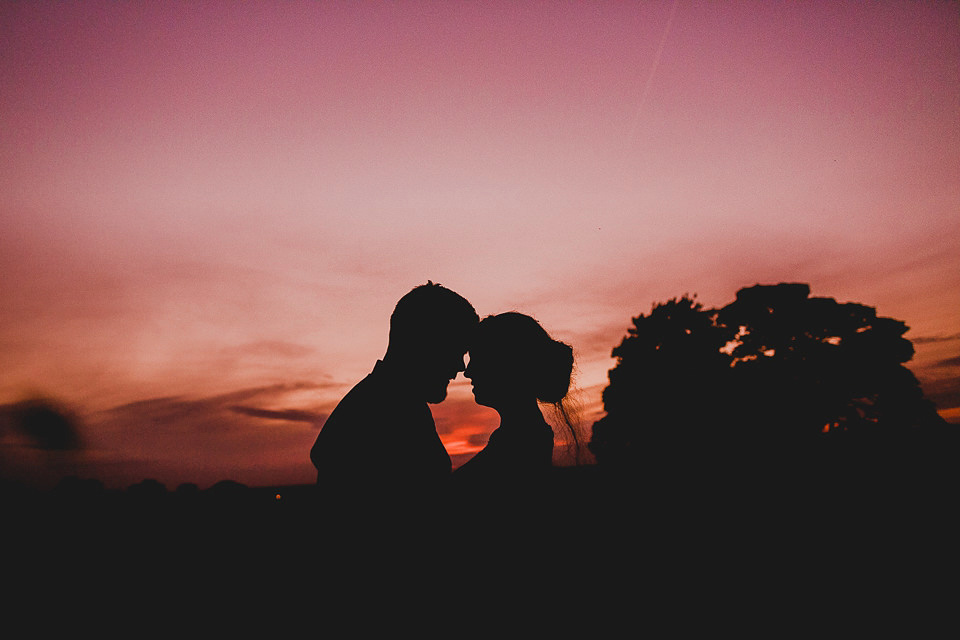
{"x": 805, "y": 366}
{"x": 40, "y": 443}
{"x": 775, "y": 367}
{"x": 669, "y": 380}
{"x": 147, "y": 493}
{"x": 47, "y": 425}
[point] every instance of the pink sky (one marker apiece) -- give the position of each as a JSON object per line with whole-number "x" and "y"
{"x": 209, "y": 210}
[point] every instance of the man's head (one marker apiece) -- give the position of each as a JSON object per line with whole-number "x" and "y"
{"x": 430, "y": 331}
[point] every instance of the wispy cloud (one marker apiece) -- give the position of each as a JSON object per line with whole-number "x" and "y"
{"x": 291, "y": 415}
{"x": 273, "y": 349}
{"x": 945, "y": 393}
{"x": 256, "y": 435}
{"x": 948, "y": 362}
{"x": 935, "y": 339}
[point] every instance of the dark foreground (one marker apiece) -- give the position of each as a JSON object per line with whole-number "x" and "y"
{"x": 697, "y": 545}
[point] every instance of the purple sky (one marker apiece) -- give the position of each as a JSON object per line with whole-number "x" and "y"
{"x": 206, "y": 201}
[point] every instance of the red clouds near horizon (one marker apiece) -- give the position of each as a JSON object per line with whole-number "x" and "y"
{"x": 205, "y": 198}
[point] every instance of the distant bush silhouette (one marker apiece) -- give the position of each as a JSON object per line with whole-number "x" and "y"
{"x": 47, "y": 425}
{"x": 776, "y": 369}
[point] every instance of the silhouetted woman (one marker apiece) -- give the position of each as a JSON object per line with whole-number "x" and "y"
{"x": 514, "y": 366}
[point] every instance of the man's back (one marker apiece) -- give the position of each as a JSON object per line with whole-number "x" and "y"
{"x": 380, "y": 441}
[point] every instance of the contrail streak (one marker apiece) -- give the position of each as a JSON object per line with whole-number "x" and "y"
{"x": 653, "y": 71}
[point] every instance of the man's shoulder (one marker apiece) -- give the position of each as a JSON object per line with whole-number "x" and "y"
{"x": 376, "y": 400}
{"x": 365, "y": 399}
{"x": 362, "y": 390}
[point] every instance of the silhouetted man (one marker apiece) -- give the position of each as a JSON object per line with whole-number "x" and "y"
{"x": 381, "y": 440}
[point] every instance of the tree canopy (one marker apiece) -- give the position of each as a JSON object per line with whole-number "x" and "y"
{"x": 774, "y": 367}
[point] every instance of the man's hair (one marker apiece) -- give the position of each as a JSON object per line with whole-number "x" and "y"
{"x": 430, "y": 310}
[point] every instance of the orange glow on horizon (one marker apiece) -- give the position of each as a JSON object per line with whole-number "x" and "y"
{"x": 208, "y": 212}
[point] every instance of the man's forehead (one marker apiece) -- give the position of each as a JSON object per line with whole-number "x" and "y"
{"x": 452, "y": 332}
{"x": 449, "y": 340}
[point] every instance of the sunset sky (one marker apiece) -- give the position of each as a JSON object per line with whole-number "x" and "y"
{"x": 209, "y": 210}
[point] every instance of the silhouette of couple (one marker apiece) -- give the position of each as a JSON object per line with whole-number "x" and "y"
{"x": 381, "y": 440}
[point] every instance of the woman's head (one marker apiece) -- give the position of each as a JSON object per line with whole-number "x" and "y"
{"x": 513, "y": 359}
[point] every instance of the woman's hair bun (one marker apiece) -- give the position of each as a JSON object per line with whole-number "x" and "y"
{"x": 546, "y": 362}
{"x": 556, "y": 367}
